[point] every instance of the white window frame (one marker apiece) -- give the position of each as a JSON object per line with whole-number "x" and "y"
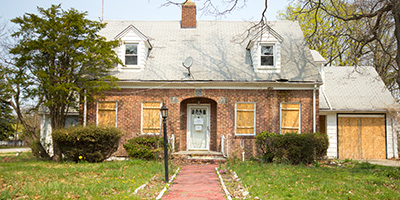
{"x": 273, "y": 55}
{"x": 116, "y": 112}
{"x": 255, "y": 119}
{"x": 141, "y": 118}
{"x": 137, "y": 54}
{"x": 280, "y": 115}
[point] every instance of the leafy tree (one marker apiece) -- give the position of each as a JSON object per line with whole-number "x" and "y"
{"x": 58, "y": 60}
{"x": 353, "y": 32}
{"x": 6, "y": 121}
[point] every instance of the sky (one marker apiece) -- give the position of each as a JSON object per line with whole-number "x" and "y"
{"x": 140, "y": 10}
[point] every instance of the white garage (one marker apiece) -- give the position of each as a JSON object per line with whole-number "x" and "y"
{"x": 358, "y": 113}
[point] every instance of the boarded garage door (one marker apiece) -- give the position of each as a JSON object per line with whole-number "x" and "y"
{"x": 361, "y": 136}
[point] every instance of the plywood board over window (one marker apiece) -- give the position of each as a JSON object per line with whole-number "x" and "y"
{"x": 245, "y": 119}
{"x": 290, "y": 117}
{"x": 362, "y": 137}
{"x": 106, "y": 113}
{"x": 151, "y": 117}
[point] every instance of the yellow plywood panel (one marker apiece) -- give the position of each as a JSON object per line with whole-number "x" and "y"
{"x": 154, "y": 105}
{"x": 361, "y": 138}
{"x": 373, "y": 138}
{"x": 107, "y": 105}
{"x": 245, "y": 118}
{"x": 290, "y": 106}
{"x": 289, "y": 130}
{"x": 248, "y": 106}
{"x": 349, "y": 134}
{"x": 151, "y": 121}
{"x": 290, "y": 119}
{"x": 106, "y": 113}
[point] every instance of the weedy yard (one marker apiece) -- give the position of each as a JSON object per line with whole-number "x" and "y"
{"x": 25, "y": 177}
{"x": 345, "y": 180}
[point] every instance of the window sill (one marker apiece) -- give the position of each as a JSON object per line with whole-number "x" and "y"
{"x": 267, "y": 67}
{"x": 150, "y": 133}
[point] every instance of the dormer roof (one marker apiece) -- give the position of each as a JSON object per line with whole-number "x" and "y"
{"x": 260, "y": 32}
{"x": 136, "y": 31}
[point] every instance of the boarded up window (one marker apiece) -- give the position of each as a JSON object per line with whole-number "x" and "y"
{"x": 290, "y": 118}
{"x": 151, "y": 117}
{"x": 106, "y": 113}
{"x": 245, "y": 118}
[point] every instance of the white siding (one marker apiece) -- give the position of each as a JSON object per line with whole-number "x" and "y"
{"x": 331, "y": 130}
{"x": 255, "y": 56}
{"x": 391, "y": 138}
{"x": 45, "y": 134}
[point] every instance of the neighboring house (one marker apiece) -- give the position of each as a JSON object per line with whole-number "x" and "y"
{"x": 46, "y": 140}
{"x": 215, "y": 80}
{"x": 358, "y": 114}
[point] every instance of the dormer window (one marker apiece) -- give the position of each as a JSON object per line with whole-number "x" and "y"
{"x": 134, "y": 50}
{"x": 131, "y": 56}
{"x": 265, "y": 50}
{"x": 267, "y": 55}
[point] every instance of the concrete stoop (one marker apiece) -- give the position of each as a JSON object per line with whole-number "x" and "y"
{"x": 210, "y": 157}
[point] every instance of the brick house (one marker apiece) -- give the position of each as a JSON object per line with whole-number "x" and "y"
{"x": 217, "y": 80}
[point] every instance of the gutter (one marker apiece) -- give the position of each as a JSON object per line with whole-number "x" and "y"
{"x": 326, "y": 97}
{"x": 314, "y": 108}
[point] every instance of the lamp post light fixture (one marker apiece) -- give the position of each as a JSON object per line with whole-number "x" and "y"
{"x": 164, "y": 114}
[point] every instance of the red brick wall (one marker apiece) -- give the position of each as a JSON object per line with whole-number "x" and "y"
{"x": 188, "y": 15}
{"x": 222, "y": 116}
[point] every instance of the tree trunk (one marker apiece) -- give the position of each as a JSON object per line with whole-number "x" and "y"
{"x": 57, "y": 122}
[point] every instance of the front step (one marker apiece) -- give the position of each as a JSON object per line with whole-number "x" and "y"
{"x": 200, "y": 156}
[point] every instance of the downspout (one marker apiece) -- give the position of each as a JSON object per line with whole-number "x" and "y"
{"x": 84, "y": 110}
{"x": 394, "y": 137}
{"x": 314, "y": 108}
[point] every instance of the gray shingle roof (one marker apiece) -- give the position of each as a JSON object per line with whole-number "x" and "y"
{"x": 217, "y": 54}
{"x": 355, "y": 89}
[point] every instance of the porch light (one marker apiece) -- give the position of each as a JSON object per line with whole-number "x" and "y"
{"x": 164, "y": 114}
{"x": 164, "y": 111}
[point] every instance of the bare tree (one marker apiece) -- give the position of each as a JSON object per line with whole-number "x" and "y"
{"x": 373, "y": 25}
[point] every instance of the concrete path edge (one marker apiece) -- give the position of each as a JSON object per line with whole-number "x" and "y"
{"x": 228, "y": 195}
{"x": 168, "y": 184}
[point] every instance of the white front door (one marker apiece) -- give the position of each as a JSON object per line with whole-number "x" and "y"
{"x": 198, "y": 131}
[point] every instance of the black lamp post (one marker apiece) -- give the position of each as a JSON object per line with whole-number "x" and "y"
{"x": 164, "y": 114}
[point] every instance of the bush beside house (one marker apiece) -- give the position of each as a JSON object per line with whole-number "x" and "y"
{"x": 91, "y": 143}
{"x": 293, "y": 148}
{"x": 146, "y": 147}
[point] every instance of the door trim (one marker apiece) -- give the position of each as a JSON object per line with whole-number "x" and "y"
{"x": 188, "y": 127}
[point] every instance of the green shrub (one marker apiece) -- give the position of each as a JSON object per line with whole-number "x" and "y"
{"x": 321, "y": 145}
{"x": 265, "y": 140}
{"x": 91, "y": 143}
{"x": 295, "y": 148}
{"x": 145, "y": 147}
{"x": 292, "y": 148}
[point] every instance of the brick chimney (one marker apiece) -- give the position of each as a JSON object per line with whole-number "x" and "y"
{"x": 188, "y": 15}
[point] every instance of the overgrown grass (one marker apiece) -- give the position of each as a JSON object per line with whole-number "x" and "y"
{"x": 348, "y": 180}
{"x": 27, "y": 178}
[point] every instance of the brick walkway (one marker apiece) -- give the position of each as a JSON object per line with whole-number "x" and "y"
{"x": 196, "y": 182}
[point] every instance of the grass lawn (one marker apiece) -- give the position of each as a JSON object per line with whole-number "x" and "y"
{"x": 348, "y": 180}
{"x": 25, "y": 177}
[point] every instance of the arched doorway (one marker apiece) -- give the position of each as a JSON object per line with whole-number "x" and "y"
{"x": 198, "y": 125}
